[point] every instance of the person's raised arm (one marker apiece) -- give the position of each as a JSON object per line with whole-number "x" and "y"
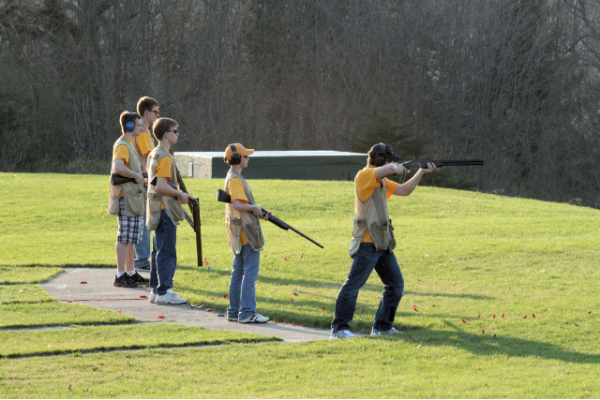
{"x": 408, "y": 187}
{"x": 389, "y": 169}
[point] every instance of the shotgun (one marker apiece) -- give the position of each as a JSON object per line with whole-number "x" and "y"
{"x": 194, "y": 221}
{"x": 441, "y": 163}
{"x": 224, "y": 197}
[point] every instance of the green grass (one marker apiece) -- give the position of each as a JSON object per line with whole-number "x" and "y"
{"x": 462, "y": 254}
{"x": 93, "y": 339}
{"x": 448, "y": 365}
{"x": 13, "y": 275}
{"x": 23, "y": 294}
{"x": 22, "y": 315}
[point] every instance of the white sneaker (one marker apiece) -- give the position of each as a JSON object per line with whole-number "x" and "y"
{"x": 254, "y": 318}
{"x": 376, "y": 332}
{"x": 343, "y": 334}
{"x": 152, "y": 298}
{"x": 170, "y": 298}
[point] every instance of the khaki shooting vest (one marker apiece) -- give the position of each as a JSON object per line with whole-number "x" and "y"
{"x": 134, "y": 195}
{"x": 172, "y": 205}
{"x": 235, "y": 220}
{"x": 372, "y": 215}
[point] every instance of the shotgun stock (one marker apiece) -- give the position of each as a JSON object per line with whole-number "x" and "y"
{"x": 116, "y": 179}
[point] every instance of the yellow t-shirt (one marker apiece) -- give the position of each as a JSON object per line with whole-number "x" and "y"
{"x": 365, "y": 185}
{"x": 163, "y": 170}
{"x": 237, "y": 192}
{"x": 122, "y": 151}
{"x": 144, "y": 143}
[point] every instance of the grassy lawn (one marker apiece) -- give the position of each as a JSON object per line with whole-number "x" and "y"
{"x": 22, "y": 315}
{"x": 15, "y": 294}
{"x": 447, "y": 365}
{"x": 94, "y": 338}
{"x": 464, "y": 256}
{"x": 10, "y": 275}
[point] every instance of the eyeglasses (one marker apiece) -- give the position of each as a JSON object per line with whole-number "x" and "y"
{"x": 156, "y": 112}
{"x": 174, "y": 131}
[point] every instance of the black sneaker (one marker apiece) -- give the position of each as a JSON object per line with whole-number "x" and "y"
{"x": 140, "y": 280}
{"x": 145, "y": 267}
{"x": 124, "y": 281}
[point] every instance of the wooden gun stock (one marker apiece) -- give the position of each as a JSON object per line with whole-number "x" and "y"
{"x": 116, "y": 179}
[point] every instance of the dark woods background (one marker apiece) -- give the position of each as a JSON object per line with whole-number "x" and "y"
{"x": 516, "y": 82}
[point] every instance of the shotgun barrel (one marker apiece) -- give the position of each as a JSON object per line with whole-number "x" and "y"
{"x": 441, "y": 163}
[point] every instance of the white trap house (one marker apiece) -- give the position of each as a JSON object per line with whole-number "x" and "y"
{"x": 300, "y": 165}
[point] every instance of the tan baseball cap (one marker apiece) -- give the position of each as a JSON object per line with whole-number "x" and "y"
{"x": 237, "y": 148}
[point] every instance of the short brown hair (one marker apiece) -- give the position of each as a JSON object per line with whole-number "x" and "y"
{"x": 145, "y": 104}
{"x": 128, "y": 116}
{"x": 162, "y": 126}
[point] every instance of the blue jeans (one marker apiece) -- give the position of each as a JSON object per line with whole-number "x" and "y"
{"x": 142, "y": 248}
{"x": 164, "y": 255}
{"x": 242, "y": 291}
{"x": 388, "y": 270}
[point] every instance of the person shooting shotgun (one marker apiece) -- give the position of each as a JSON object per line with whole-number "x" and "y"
{"x": 373, "y": 242}
{"x": 244, "y": 234}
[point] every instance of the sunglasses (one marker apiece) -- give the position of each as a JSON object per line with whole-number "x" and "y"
{"x": 174, "y": 131}
{"x": 156, "y": 112}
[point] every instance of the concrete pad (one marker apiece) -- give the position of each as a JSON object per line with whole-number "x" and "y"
{"x": 99, "y": 292}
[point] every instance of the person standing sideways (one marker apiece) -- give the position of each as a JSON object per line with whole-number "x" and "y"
{"x": 147, "y": 107}
{"x": 128, "y": 200}
{"x": 245, "y": 238}
{"x": 373, "y": 242}
{"x": 163, "y": 213}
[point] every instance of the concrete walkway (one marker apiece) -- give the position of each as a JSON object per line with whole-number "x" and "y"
{"x": 100, "y": 292}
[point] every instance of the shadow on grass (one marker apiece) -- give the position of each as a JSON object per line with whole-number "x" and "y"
{"x": 450, "y": 295}
{"x": 486, "y": 345}
{"x": 307, "y": 284}
{"x": 135, "y": 346}
{"x": 61, "y": 266}
{"x": 66, "y": 324}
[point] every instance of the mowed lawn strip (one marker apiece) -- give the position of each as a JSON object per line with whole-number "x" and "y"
{"x": 18, "y": 275}
{"x": 23, "y": 294}
{"x": 28, "y": 315}
{"x": 431, "y": 364}
{"x": 103, "y": 338}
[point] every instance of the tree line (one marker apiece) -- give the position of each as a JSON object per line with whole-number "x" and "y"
{"x": 515, "y": 82}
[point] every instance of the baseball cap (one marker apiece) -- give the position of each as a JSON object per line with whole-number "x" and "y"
{"x": 384, "y": 148}
{"x": 237, "y": 148}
